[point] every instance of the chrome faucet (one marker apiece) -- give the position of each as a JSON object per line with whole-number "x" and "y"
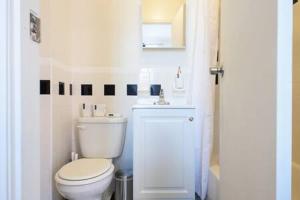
{"x": 161, "y": 100}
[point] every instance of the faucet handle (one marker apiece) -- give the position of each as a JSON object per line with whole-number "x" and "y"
{"x": 161, "y": 100}
{"x": 161, "y": 93}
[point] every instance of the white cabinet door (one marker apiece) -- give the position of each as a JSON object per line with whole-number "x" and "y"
{"x": 163, "y": 154}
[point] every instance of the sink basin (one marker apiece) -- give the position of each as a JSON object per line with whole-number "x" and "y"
{"x": 141, "y": 106}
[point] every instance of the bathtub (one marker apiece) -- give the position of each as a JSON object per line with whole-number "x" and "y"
{"x": 213, "y": 183}
{"x": 296, "y": 181}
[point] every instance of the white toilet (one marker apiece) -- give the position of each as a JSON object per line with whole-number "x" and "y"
{"x": 101, "y": 139}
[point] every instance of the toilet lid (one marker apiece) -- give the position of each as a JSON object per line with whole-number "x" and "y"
{"x": 83, "y": 169}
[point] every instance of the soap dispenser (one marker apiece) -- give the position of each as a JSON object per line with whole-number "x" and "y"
{"x": 179, "y": 80}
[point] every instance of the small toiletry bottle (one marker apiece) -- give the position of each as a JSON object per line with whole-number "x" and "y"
{"x": 179, "y": 81}
{"x": 85, "y": 111}
{"x": 99, "y": 110}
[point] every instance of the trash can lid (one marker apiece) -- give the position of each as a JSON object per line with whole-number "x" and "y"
{"x": 123, "y": 174}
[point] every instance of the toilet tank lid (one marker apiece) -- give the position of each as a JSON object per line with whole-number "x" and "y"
{"x": 103, "y": 120}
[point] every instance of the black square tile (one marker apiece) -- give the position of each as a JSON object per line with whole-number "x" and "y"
{"x": 61, "y": 88}
{"x": 71, "y": 89}
{"x": 155, "y": 89}
{"x": 45, "y": 87}
{"x": 131, "y": 89}
{"x": 109, "y": 90}
{"x": 86, "y": 90}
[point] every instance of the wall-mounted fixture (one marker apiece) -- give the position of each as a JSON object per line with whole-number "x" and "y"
{"x": 35, "y": 27}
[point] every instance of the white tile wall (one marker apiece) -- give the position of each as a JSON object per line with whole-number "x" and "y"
{"x": 121, "y": 103}
{"x": 61, "y": 120}
{"x": 45, "y": 136}
{"x": 56, "y": 127}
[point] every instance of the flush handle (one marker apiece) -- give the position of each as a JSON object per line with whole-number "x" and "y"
{"x": 191, "y": 119}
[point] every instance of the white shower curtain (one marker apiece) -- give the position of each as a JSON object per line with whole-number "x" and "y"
{"x": 204, "y": 45}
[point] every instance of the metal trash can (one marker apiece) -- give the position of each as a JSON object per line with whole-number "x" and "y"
{"x": 124, "y": 185}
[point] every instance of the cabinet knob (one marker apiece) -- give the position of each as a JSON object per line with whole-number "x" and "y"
{"x": 191, "y": 119}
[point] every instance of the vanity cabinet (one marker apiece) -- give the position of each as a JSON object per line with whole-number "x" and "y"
{"x": 163, "y": 154}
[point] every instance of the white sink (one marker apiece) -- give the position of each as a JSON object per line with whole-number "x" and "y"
{"x": 141, "y": 106}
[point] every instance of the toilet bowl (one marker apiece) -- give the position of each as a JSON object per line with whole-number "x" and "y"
{"x": 84, "y": 179}
{"x": 101, "y": 139}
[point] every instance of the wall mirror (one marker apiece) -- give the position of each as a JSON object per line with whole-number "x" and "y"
{"x": 163, "y": 23}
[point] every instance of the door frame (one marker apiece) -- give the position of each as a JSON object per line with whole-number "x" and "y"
{"x": 10, "y": 101}
{"x": 284, "y": 99}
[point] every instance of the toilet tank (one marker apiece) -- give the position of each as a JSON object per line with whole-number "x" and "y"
{"x": 101, "y": 137}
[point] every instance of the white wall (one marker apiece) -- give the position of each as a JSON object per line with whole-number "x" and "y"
{"x": 29, "y": 73}
{"x": 45, "y": 134}
{"x": 92, "y": 33}
{"x": 61, "y": 122}
{"x": 55, "y": 110}
{"x": 160, "y": 11}
{"x": 55, "y": 30}
{"x": 107, "y": 34}
{"x": 178, "y": 27}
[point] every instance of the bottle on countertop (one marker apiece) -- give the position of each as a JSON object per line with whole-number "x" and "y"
{"x": 179, "y": 80}
{"x": 85, "y": 110}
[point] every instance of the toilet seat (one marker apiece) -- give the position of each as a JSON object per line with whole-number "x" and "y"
{"x": 84, "y": 171}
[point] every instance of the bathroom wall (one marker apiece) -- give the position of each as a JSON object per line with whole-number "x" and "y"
{"x": 55, "y": 30}
{"x": 46, "y": 137}
{"x": 107, "y": 34}
{"x": 25, "y": 97}
{"x": 93, "y": 33}
{"x": 296, "y": 86}
{"x": 61, "y": 121}
{"x": 160, "y": 11}
{"x": 55, "y": 108}
{"x": 178, "y": 24}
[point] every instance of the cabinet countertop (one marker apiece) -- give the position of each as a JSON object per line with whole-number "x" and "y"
{"x": 140, "y": 106}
